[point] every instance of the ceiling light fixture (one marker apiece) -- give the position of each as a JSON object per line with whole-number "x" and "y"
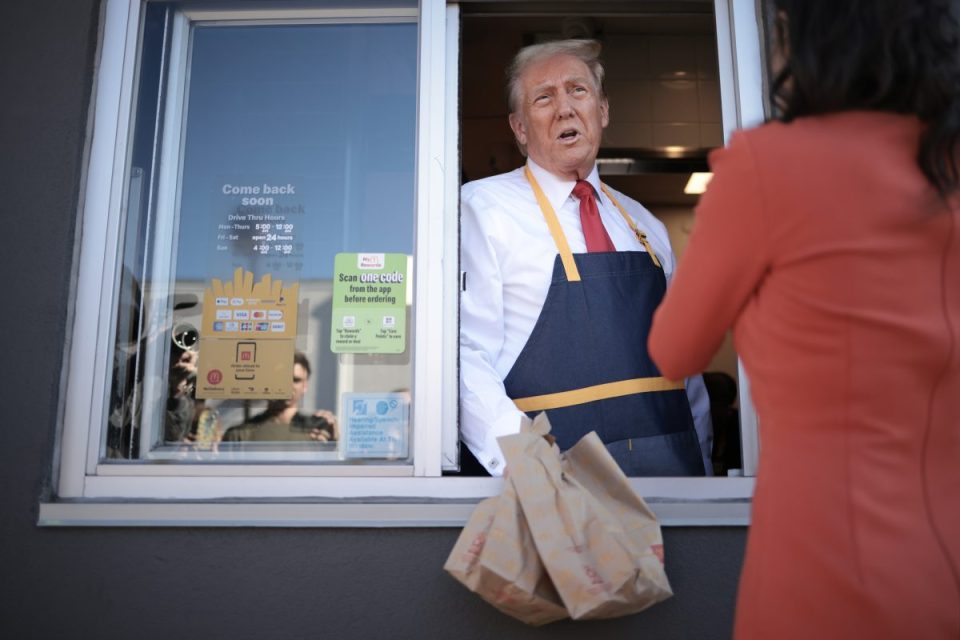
{"x": 697, "y": 183}
{"x": 674, "y": 151}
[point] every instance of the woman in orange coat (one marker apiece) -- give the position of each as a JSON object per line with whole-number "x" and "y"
{"x": 829, "y": 241}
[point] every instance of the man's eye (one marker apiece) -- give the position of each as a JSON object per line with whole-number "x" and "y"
{"x": 579, "y": 89}
{"x": 541, "y": 98}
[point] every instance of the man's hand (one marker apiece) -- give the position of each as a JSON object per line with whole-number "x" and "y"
{"x": 187, "y": 363}
{"x": 323, "y": 434}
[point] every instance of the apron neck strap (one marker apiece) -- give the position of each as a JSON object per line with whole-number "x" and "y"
{"x": 559, "y": 239}
{"x": 641, "y": 236}
{"x": 566, "y": 256}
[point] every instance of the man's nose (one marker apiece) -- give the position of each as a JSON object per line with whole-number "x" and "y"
{"x": 564, "y": 106}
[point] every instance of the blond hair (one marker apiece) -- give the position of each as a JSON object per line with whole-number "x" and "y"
{"x": 588, "y": 51}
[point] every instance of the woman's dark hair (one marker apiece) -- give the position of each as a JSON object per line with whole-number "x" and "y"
{"x": 882, "y": 55}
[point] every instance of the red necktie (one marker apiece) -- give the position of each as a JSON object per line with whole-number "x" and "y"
{"x": 593, "y": 231}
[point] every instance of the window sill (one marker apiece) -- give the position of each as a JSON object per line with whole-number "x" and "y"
{"x": 676, "y": 502}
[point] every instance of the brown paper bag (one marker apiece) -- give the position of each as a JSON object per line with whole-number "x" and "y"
{"x": 600, "y": 543}
{"x": 495, "y": 558}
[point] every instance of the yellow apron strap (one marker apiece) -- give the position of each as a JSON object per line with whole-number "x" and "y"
{"x": 641, "y": 236}
{"x": 566, "y": 256}
{"x": 596, "y": 392}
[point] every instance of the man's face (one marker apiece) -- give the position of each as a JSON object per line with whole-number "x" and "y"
{"x": 300, "y": 378}
{"x": 561, "y": 116}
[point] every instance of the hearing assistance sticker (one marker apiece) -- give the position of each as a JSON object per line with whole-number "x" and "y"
{"x": 375, "y": 425}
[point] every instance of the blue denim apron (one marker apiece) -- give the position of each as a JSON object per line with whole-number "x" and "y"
{"x": 586, "y": 362}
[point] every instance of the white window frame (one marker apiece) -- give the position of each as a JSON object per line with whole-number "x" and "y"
{"x": 740, "y": 60}
{"x": 90, "y": 492}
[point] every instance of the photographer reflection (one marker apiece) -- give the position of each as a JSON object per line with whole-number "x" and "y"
{"x": 182, "y": 404}
{"x": 282, "y": 419}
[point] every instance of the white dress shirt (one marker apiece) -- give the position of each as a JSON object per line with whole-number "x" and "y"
{"x": 507, "y": 254}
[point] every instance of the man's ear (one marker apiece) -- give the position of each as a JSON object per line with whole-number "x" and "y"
{"x": 604, "y": 112}
{"x": 519, "y": 129}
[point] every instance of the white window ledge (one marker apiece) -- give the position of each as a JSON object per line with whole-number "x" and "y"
{"x": 678, "y": 502}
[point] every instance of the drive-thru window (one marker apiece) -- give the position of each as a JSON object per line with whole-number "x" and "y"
{"x": 265, "y": 325}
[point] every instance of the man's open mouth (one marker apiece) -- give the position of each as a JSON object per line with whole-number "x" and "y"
{"x": 569, "y": 134}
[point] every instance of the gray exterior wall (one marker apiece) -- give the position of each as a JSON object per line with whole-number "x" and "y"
{"x": 193, "y": 582}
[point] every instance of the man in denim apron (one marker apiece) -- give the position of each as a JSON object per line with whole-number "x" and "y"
{"x": 562, "y": 275}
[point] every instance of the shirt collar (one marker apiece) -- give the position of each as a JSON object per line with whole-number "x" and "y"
{"x": 556, "y": 189}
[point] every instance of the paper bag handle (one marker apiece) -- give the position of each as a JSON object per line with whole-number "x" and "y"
{"x": 539, "y": 426}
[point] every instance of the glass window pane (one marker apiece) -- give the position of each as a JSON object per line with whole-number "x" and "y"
{"x": 293, "y": 170}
